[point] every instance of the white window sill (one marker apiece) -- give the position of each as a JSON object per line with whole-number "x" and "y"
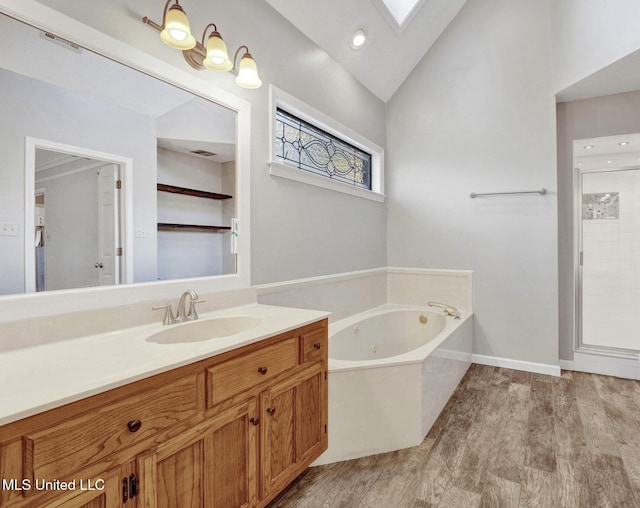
{"x": 283, "y": 171}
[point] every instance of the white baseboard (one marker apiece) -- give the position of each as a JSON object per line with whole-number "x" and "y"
{"x": 508, "y": 363}
{"x": 607, "y": 364}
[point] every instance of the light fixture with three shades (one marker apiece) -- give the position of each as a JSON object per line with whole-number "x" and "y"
{"x": 175, "y": 31}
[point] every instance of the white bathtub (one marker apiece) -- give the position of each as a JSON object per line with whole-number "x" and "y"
{"x": 390, "y": 375}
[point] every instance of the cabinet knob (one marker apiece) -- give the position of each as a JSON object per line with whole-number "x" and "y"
{"x": 317, "y": 345}
{"x": 134, "y": 425}
{"x": 262, "y": 370}
{"x": 254, "y": 420}
{"x": 271, "y": 410}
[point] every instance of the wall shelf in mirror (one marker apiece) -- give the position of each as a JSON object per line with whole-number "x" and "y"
{"x": 166, "y": 226}
{"x": 192, "y": 192}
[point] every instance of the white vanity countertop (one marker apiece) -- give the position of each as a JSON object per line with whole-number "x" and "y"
{"x": 39, "y": 378}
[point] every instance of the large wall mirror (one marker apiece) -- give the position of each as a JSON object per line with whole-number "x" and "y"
{"x": 108, "y": 175}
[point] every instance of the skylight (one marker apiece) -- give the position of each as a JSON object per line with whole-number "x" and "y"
{"x": 401, "y": 9}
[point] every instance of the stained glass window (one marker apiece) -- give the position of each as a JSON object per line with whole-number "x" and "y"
{"x": 311, "y": 149}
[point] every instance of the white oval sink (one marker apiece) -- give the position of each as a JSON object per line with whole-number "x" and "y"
{"x": 204, "y": 329}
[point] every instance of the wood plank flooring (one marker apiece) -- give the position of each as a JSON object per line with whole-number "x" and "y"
{"x": 505, "y": 439}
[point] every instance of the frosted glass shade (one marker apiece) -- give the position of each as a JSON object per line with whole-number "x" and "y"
{"x": 176, "y": 32}
{"x": 248, "y": 73}
{"x": 217, "y": 56}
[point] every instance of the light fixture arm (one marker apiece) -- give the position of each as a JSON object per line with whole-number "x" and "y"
{"x": 235, "y": 57}
{"x": 155, "y": 25}
{"x": 166, "y": 9}
{"x": 204, "y": 33}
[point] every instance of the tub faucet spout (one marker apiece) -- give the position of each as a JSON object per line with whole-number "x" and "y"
{"x": 449, "y": 310}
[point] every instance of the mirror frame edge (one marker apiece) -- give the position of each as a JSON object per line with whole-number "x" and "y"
{"x": 16, "y": 306}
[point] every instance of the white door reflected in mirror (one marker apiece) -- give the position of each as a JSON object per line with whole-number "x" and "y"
{"x": 78, "y": 221}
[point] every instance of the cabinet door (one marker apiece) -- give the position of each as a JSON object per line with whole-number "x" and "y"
{"x": 278, "y": 458}
{"x": 294, "y": 416}
{"x": 102, "y": 492}
{"x": 214, "y": 464}
{"x": 311, "y": 416}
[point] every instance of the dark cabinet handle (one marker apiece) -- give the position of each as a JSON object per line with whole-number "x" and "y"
{"x": 254, "y": 420}
{"x": 129, "y": 487}
{"x": 133, "y": 485}
{"x": 134, "y": 425}
{"x": 262, "y": 370}
{"x": 271, "y": 410}
{"x": 317, "y": 345}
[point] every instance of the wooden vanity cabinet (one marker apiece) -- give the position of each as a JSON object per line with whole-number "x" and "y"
{"x": 213, "y": 464}
{"x": 229, "y": 431}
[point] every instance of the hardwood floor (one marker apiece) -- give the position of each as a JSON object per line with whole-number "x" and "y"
{"x": 505, "y": 439}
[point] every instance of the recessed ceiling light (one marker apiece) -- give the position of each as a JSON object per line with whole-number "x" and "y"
{"x": 623, "y": 143}
{"x": 358, "y": 37}
{"x": 608, "y": 162}
{"x": 589, "y": 147}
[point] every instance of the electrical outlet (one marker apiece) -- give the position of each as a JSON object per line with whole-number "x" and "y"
{"x": 8, "y": 229}
{"x": 140, "y": 233}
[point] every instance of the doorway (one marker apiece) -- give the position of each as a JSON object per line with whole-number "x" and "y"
{"x": 607, "y": 254}
{"x": 77, "y": 228}
{"x": 609, "y": 258}
{"x": 76, "y": 201}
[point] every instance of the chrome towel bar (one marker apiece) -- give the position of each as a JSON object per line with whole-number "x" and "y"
{"x": 474, "y": 195}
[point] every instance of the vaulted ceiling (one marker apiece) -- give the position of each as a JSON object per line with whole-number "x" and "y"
{"x": 390, "y": 52}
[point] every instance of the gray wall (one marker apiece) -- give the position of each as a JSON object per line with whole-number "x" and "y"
{"x": 588, "y": 118}
{"x": 296, "y": 230}
{"x": 478, "y": 114}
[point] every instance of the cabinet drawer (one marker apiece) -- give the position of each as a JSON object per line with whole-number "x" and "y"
{"x": 313, "y": 345}
{"x": 246, "y": 371}
{"x": 61, "y": 450}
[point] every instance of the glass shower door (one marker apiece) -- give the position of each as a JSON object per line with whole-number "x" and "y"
{"x": 610, "y": 260}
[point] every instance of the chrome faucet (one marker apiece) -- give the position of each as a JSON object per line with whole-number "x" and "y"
{"x": 183, "y": 314}
{"x": 449, "y": 310}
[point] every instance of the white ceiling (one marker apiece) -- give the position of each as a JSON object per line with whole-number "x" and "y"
{"x": 390, "y": 53}
{"x": 606, "y": 152}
